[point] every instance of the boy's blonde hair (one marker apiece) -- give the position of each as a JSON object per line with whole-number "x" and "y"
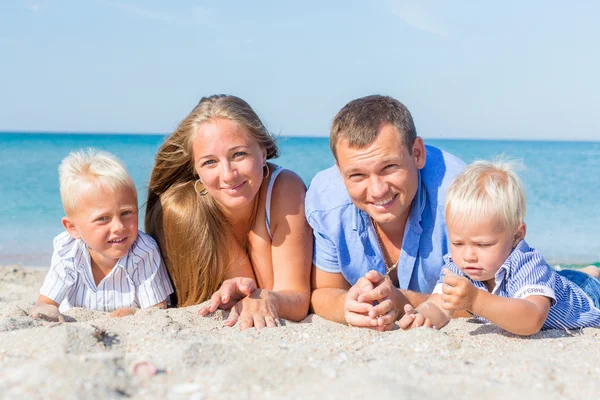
{"x": 83, "y": 171}
{"x": 487, "y": 189}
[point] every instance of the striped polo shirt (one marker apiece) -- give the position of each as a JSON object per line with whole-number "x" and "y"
{"x": 526, "y": 273}
{"x": 138, "y": 279}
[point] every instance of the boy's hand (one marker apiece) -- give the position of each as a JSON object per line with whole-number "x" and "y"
{"x": 458, "y": 292}
{"x": 414, "y": 319}
{"x": 123, "y": 312}
{"x": 47, "y": 312}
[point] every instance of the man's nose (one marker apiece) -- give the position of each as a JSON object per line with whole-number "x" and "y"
{"x": 377, "y": 187}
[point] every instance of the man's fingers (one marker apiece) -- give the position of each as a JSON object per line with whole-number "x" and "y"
{"x": 375, "y": 277}
{"x": 358, "y": 320}
{"x": 381, "y": 309}
{"x": 375, "y": 294}
{"x": 356, "y": 307}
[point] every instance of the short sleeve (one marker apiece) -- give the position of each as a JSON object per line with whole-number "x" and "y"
{"x": 324, "y": 251}
{"x": 531, "y": 276}
{"x": 60, "y": 279}
{"x": 150, "y": 276}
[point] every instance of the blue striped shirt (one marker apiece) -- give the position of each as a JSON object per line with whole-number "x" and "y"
{"x": 138, "y": 279}
{"x": 526, "y": 273}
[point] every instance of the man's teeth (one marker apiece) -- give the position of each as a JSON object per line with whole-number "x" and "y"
{"x": 383, "y": 202}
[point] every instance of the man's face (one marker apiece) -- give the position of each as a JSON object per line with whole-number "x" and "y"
{"x": 382, "y": 177}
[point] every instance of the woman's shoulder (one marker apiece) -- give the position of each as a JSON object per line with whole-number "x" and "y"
{"x": 288, "y": 185}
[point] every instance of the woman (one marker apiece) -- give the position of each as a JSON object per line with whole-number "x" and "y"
{"x": 224, "y": 216}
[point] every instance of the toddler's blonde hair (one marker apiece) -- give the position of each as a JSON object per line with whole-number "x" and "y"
{"x": 487, "y": 189}
{"x": 83, "y": 171}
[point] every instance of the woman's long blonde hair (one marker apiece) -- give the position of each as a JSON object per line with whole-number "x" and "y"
{"x": 191, "y": 230}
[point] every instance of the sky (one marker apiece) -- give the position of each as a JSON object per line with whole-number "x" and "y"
{"x": 465, "y": 69}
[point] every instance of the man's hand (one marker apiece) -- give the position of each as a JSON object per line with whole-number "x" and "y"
{"x": 458, "y": 292}
{"x": 356, "y": 313}
{"x": 47, "y": 312}
{"x": 229, "y": 294}
{"x": 383, "y": 314}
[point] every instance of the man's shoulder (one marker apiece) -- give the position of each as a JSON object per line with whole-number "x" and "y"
{"x": 441, "y": 165}
{"x": 327, "y": 192}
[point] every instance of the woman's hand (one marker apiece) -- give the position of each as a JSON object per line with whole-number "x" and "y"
{"x": 258, "y": 310}
{"x": 230, "y": 293}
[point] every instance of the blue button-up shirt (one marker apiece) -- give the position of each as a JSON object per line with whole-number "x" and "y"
{"x": 346, "y": 241}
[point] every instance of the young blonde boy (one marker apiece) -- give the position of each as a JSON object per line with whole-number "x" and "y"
{"x": 101, "y": 262}
{"x": 492, "y": 272}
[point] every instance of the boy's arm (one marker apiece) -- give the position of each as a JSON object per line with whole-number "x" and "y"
{"x": 429, "y": 314}
{"x": 47, "y": 309}
{"x": 519, "y": 316}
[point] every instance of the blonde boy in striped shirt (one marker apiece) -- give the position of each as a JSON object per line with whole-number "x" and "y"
{"x": 491, "y": 271}
{"x": 101, "y": 262}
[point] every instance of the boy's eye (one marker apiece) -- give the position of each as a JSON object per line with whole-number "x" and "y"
{"x": 457, "y": 244}
{"x": 484, "y": 244}
{"x": 102, "y": 219}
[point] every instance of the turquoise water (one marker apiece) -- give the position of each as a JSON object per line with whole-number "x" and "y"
{"x": 561, "y": 181}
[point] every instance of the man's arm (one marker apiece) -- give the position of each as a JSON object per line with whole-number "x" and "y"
{"x": 328, "y": 296}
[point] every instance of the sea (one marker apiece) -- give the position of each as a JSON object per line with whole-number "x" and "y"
{"x": 561, "y": 179}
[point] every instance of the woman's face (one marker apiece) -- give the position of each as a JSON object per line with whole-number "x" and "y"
{"x": 229, "y": 162}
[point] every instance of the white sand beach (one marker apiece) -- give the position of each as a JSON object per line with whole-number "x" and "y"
{"x": 94, "y": 356}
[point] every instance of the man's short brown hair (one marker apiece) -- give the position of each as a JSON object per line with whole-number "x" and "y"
{"x": 359, "y": 121}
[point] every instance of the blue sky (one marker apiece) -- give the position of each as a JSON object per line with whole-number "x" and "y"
{"x": 465, "y": 69}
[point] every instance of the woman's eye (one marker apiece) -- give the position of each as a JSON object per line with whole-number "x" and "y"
{"x": 208, "y": 162}
{"x": 239, "y": 154}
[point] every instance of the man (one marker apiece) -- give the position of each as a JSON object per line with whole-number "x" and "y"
{"x": 377, "y": 216}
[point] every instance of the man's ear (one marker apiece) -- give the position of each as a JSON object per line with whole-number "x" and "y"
{"x": 519, "y": 234}
{"x": 419, "y": 153}
{"x": 70, "y": 227}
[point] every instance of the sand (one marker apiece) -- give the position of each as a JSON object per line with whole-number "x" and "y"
{"x": 175, "y": 354}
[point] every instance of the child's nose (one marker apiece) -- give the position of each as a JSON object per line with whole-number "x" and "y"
{"x": 117, "y": 225}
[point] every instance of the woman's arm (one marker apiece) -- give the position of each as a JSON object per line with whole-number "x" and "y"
{"x": 291, "y": 247}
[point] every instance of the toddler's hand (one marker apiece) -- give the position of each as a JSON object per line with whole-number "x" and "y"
{"x": 47, "y": 312}
{"x": 458, "y": 292}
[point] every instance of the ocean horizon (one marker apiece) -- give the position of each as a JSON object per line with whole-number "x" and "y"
{"x": 560, "y": 178}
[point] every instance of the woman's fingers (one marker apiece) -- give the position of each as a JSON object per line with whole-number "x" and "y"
{"x": 233, "y": 318}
